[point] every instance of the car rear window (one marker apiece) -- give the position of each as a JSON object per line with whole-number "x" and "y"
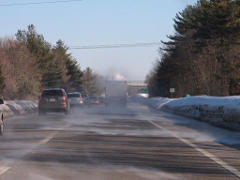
{"x": 93, "y": 98}
{"x": 73, "y": 95}
{"x": 52, "y": 93}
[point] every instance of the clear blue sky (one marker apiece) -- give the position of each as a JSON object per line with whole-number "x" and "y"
{"x": 93, "y": 22}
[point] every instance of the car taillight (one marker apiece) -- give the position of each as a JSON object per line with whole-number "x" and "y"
{"x": 64, "y": 99}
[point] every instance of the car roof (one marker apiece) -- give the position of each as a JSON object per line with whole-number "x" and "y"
{"x": 74, "y": 93}
{"x": 49, "y": 89}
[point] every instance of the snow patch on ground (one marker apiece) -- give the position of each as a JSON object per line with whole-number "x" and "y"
{"x": 17, "y": 107}
{"x": 220, "y": 111}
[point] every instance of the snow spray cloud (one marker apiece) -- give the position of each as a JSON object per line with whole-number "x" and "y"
{"x": 116, "y": 77}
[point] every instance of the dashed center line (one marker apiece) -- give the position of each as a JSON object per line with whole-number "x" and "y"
{"x": 204, "y": 152}
{"x": 4, "y": 169}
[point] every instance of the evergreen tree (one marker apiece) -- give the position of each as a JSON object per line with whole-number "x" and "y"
{"x": 90, "y": 83}
{"x": 202, "y": 57}
{"x": 75, "y": 75}
{"x": 57, "y": 67}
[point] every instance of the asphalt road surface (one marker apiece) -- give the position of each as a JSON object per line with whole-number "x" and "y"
{"x": 132, "y": 143}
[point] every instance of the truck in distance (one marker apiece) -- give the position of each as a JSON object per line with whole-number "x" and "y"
{"x": 116, "y": 92}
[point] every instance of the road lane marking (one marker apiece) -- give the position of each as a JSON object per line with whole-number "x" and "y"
{"x": 204, "y": 152}
{"x": 4, "y": 169}
{"x": 47, "y": 139}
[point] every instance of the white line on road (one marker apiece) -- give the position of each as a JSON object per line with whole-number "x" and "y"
{"x": 204, "y": 152}
{"x": 4, "y": 169}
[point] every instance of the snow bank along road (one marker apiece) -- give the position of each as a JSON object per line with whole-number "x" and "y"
{"x": 132, "y": 143}
{"x": 220, "y": 111}
{"x": 16, "y": 107}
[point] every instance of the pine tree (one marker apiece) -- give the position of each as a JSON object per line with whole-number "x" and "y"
{"x": 90, "y": 83}
{"x": 202, "y": 56}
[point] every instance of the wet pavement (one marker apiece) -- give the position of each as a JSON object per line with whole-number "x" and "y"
{"x": 99, "y": 143}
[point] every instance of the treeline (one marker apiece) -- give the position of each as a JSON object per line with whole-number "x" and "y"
{"x": 28, "y": 64}
{"x": 203, "y": 56}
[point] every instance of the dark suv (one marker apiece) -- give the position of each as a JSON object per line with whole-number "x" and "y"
{"x": 53, "y": 100}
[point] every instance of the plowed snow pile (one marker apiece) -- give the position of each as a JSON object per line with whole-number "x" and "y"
{"x": 18, "y": 107}
{"x": 221, "y": 111}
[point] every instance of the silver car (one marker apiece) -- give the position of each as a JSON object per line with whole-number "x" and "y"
{"x": 75, "y": 98}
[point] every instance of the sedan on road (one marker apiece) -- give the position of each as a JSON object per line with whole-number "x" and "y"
{"x": 93, "y": 100}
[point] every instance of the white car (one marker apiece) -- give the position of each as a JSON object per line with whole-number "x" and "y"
{"x": 75, "y": 98}
{"x": 1, "y": 119}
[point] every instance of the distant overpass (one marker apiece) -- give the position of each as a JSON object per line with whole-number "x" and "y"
{"x": 136, "y": 87}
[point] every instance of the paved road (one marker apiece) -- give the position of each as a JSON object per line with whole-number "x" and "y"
{"x": 132, "y": 143}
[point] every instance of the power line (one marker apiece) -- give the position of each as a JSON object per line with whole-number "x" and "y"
{"x": 117, "y": 46}
{"x": 38, "y": 3}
